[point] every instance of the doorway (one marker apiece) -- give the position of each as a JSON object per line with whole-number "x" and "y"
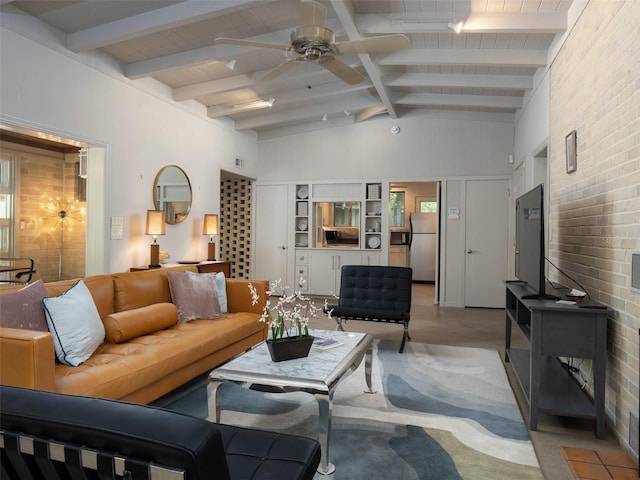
{"x": 422, "y": 203}
{"x": 54, "y": 224}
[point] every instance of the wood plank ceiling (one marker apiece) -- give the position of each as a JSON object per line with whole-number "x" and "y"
{"x": 488, "y": 67}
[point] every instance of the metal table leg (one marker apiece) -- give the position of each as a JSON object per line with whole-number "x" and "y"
{"x": 325, "y": 402}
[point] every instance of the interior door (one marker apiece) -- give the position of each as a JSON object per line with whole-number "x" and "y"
{"x": 486, "y": 242}
{"x": 270, "y": 239}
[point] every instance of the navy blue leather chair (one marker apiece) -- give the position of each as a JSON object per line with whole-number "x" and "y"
{"x": 374, "y": 293}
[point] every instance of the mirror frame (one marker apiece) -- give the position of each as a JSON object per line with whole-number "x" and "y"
{"x": 156, "y": 200}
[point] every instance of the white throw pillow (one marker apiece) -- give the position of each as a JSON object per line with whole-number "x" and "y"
{"x": 221, "y": 288}
{"x": 75, "y": 324}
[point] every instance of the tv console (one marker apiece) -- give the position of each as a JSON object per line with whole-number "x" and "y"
{"x": 552, "y": 330}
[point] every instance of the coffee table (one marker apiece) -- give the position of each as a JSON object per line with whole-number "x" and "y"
{"x": 318, "y": 374}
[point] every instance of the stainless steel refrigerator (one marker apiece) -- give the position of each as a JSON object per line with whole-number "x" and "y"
{"x": 422, "y": 246}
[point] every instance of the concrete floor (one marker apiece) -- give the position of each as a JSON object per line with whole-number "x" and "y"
{"x": 485, "y": 328}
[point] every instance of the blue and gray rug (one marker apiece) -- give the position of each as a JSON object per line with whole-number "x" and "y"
{"x": 439, "y": 413}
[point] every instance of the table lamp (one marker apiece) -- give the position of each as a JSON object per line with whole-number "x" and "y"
{"x": 155, "y": 227}
{"x": 210, "y": 228}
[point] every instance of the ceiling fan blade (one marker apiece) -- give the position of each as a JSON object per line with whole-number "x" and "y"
{"x": 280, "y": 69}
{"x": 249, "y": 43}
{"x": 341, "y": 70}
{"x": 382, "y": 43}
{"x": 369, "y": 112}
{"x": 313, "y": 14}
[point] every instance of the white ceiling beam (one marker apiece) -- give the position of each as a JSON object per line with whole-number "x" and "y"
{"x": 336, "y": 107}
{"x": 457, "y": 56}
{"x": 235, "y": 82}
{"x": 447, "y": 100}
{"x": 426, "y": 80}
{"x": 346, "y": 17}
{"x": 539, "y": 22}
{"x": 316, "y": 94}
{"x": 164, "y": 18}
{"x": 436, "y": 22}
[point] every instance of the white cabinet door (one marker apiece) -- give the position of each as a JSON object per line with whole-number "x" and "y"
{"x": 370, "y": 258}
{"x": 322, "y": 273}
{"x": 324, "y": 269}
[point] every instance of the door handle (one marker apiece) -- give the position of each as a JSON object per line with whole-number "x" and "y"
{"x": 468, "y": 250}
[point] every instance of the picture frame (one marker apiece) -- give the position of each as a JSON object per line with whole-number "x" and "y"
{"x": 571, "y": 142}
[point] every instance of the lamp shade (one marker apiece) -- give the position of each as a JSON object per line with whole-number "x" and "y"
{"x": 210, "y": 226}
{"x": 155, "y": 223}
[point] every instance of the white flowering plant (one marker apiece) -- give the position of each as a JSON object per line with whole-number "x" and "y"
{"x": 290, "y": 315}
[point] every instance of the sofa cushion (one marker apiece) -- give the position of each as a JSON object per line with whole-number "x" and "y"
{"x": 74, "y": 321}
{"x": 100, "y": 287}
{"x": 122, "y": 326}
{"x": 195, "y": 296}
{"x": 23, "y": 309}
{"x": 221, "y": 288}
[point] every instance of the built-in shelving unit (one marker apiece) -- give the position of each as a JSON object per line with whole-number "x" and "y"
{"x": 373, "y": 216}
{"x": 302, "y": 226}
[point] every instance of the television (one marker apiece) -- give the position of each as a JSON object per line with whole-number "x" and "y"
{"x": 530, "y": 254}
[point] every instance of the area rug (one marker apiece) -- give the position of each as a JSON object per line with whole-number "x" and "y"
{"x": 439, "y": 413}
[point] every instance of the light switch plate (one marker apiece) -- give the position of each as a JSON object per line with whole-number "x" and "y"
{"x": 117, "y": 228}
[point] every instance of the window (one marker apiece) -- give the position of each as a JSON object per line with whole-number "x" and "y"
{"x": 346, "y": 214}
{"x": 396, "y": 209}
{"x": 428, "y": 207}
{"x": 6, "y": 206}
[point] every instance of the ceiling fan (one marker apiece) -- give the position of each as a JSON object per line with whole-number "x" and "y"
{"x": 313, "y": 41}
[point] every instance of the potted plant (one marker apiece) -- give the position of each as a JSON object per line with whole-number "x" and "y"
{"x": 288, "y": 321}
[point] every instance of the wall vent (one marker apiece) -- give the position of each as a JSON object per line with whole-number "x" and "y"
{"x": 239, "y": 163}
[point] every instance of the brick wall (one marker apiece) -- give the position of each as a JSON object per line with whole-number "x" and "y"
{"x": 594, "y": 220}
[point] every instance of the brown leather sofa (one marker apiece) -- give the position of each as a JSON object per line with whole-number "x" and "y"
{"x": 143, "y": 368}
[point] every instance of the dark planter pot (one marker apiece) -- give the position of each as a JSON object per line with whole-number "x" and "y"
{"x": 289, "y": 348}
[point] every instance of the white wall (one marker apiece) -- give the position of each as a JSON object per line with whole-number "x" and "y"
{"x": 532, "y": 129}
{"x": 142, "y": 129}
{"x": 426, "y": 148}
{"x": 444, "y": 148}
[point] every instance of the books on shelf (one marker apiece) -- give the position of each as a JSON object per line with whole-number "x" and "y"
{"x": 322, "y": 343}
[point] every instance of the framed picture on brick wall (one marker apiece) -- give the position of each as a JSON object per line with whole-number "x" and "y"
{"x": 570, "y": 146}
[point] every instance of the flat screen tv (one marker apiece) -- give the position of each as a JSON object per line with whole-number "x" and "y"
{"x": 530, "y": 255}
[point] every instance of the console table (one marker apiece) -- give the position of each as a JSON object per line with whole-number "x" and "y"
{"x": 203, "y": 267}
{"x": 552, "y": 330}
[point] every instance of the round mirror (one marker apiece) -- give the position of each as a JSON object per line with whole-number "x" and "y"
{"x": 172, "y": 194}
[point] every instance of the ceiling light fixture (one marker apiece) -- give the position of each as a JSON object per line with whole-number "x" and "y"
{"x": 231, "y": 64}
{"x": 456, "y": 26}
{"x": 324, "y": 117}
{"x": 255, "y": 104}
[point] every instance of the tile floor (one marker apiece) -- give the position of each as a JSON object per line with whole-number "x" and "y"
{"x": 485, "y": 328}
{"x": 600, "y": 464}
